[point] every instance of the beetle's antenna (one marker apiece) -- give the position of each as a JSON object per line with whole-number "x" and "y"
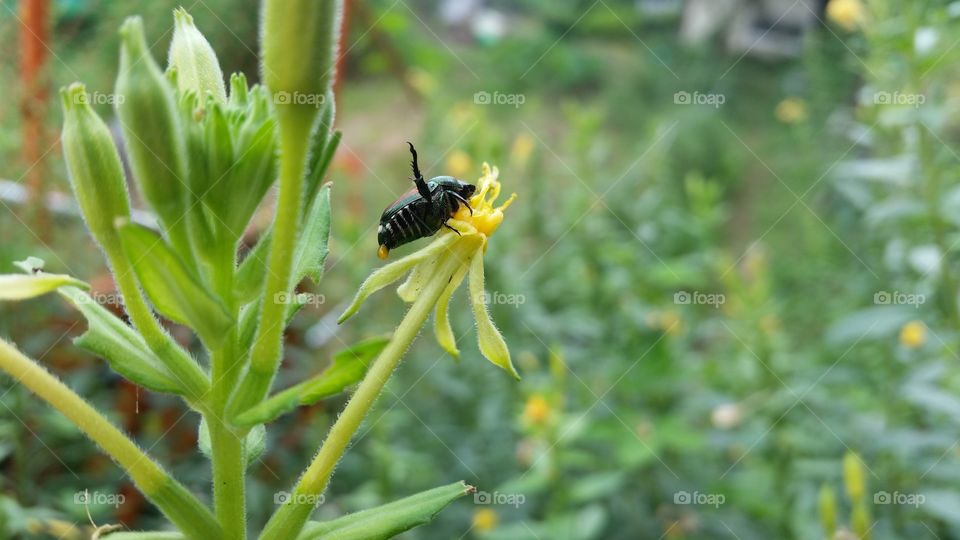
{"x": 413, "y": 163}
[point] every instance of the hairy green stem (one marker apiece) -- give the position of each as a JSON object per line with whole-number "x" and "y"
{"x": 294, "y": 127}
{"x": 178, "y": 504}
{"x": 291, "y": 517}
{"x": 229, "y": 469}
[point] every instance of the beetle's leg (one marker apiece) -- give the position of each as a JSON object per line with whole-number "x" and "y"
{"x": 452, "y": 229}
{"x": 461, "y": 199}
{"x": 461, "y": 227}
{"x": 417, "y": 177}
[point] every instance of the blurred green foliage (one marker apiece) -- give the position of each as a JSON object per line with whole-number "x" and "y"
{"x": 814, "y": 190}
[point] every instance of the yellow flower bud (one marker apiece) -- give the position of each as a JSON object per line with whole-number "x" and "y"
{"x": 913, "y": 334}
{"x": 849, "y": 14}
{"x": 791, "y": 110}
{"x": 853, "y": 479}
{"x": 537, "y": 410}
{"x": 828, "y": 510}
{"x": 485, "y": 519}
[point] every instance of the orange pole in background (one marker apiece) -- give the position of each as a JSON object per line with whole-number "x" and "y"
{"x": 34, "y": 16}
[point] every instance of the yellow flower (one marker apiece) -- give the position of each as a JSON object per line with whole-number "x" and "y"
{"x": 522, "y": 148}
{"x": 791, "y": 110}
{"x": 537, "y": 410}
{"x": 849, "y": 14}
{"x": 913, "y": 334}
{"x": 442, "y": 265}
{"x": 485, "y": 520}
{"x": 459, "y": 164}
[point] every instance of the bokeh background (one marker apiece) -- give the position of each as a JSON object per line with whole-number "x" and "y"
{"x": 730, "y": 281}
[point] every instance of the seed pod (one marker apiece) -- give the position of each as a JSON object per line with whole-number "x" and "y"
{"x": 93, "y": 164}
{"x": 194, "y": 60}
{"x": 299, "y": 47}
{"x": 151, "y": 127}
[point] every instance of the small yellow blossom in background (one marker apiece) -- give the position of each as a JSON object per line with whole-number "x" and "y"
{"x": 668, "y": 322}
{"x": 459, "y": 164}
{"x": 791, "y": 110}
{"x": 913, "y": 334}
{"x": 849, "y": 14}
{"x": 522, "y": 148}
{"x": 421, "y": 81}
{"x": 485, "y": 520}
{"x": 537, "y": 410}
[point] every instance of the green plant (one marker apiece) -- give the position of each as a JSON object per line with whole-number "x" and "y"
{"x": 204, "y": 159}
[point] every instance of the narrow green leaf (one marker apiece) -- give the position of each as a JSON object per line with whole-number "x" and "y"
{"x": 348, "y": 367}
{"x": 111, "y": 339}
{"x": 312, "y": 250}
{"x": 388, "y": 520}
{"x": 171, "y": 287}
{"x": 144, "y": 535}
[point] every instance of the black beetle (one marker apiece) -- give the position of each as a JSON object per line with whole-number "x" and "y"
{"x": 422, "y": 211}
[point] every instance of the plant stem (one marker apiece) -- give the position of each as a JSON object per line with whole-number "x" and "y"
{"x": 180, "y": 364}
{"x": 229, "y": 467}
{"x": 178, "y": 504}
{"x": 294, "y": 125}
{"x": 290, "y": 518}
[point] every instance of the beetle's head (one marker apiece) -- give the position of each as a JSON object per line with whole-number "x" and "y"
{"x": 459, "y": 187}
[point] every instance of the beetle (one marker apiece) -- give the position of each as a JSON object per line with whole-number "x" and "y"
{"x": 423, "y": 210}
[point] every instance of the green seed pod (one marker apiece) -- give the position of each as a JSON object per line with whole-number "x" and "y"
{"x": 299, "y": 49}
{"x": 151, "y": 127}
{"x": 193, "y": 59}
{"x": 93, "y": 164}
{"x": 853, "y": 476}
{"x": 828, "y": 510}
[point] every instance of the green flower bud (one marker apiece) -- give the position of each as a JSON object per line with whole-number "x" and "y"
{"x": 299, "y": 49}
{"x": 93, "y": 164}
{"x": 193, "y": 59}
{"x": 853, "y": 476}
{"x": 860, "y": 520}
{"x": 151, "y": 127}
{"x": 828, "y": 510}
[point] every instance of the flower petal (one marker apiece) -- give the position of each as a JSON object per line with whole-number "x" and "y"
{"x": 441, "y": 319}
{"x": 411, "y": 288}
{"x": 394, "y": 271}
{"x": 492, "y": 345}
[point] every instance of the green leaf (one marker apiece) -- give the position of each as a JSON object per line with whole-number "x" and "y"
{"x": 143, "y": 535}
{"x": 388, "y": 520}
{"x": 252, "y": 449}
{"x": 24, "y": 286}
{"x": 250, "y": 274}
{"x": 111, "y": 339}
{"x": 171, "y": 287}
{"x": 348, "y": 366}
{"x": 312, "y": 250}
